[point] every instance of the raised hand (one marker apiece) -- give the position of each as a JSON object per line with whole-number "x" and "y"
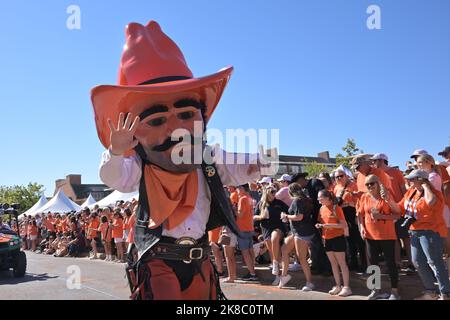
{"x": 122, "y": 137}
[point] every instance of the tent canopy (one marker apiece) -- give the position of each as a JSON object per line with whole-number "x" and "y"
{"x": 114, "y": 197}
{"x": 34, "y": 209}
{"x": 60, "y": 204}
{"x": 90, "y": 200}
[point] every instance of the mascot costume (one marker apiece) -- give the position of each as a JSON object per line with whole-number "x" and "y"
{"x": 178, "y": 202}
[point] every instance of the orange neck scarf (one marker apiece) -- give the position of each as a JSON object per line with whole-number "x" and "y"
{"x": 171, "y": 196}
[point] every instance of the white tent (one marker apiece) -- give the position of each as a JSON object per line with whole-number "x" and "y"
{"x": 60, "y": 204}
{"x": 114, "y": 197}
{"x": 90, "y": 200}
{"x": 35, "y": 209}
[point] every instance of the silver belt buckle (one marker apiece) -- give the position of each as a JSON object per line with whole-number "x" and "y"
{"x": 187, "y": 241}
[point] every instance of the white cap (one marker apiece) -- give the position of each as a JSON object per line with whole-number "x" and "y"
{"x": 285, "y": 177}
{"x": 265, "y": 180}
{"x": 380, "y": 156}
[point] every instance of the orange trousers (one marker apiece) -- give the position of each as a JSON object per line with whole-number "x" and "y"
{"x": 175, "y": 280}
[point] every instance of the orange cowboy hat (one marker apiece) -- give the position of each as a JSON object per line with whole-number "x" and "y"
{"x": 152, "y": 68}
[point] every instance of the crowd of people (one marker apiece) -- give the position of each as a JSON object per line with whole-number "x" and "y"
{"x": 100, "y": 233}
{"x": 331, "y": 224}
{"x": 345, "y": 221}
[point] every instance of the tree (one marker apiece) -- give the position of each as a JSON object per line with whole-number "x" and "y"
{"x": 314, "y": 168}
{"x": 350, "y": 150}
{"x": 26, "y": 196}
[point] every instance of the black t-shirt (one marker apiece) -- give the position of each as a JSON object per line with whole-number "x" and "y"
{"x": 312, "y": 190}
{"x": 304, "y": 227}
{"x": 276, "y": 207}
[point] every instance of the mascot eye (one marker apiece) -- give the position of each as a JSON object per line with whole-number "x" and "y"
{"x": 157, "y": 122}
{"x": 186, "y": 115}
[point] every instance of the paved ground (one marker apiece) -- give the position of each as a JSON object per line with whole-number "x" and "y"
{"x": 47, "y": 277}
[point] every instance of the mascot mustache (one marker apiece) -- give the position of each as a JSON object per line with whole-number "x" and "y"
{"x": 169, "y": 143}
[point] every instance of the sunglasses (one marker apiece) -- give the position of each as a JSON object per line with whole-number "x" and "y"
{"x": 339, "y": 177}
{"x": 370, "y": 184}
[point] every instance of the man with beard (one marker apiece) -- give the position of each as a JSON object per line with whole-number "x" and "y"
{"x": 152, "y": 124}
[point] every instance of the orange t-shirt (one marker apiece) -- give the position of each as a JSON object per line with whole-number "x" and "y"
{"x": 117, "y": 230}
{"x": 384, "y": 179}
{"x": 376, "y": 229}
{"x": 131, "y": 222}
{"x": 397, "y": 182}
{"x": 348, "y": 198}
{"x": 105, "y": 231}
{"x": 49, "y": 224}
{"x": 126, "y": 223}
{"x": 59, "y": 225}
{"x": 32, "y": 230}
{"x": 245, "y": 219}
{"x": 428, "y": 217}
{"x": 93, "y": 228}
{"x": 64, "y": 225}
{"x": 326, "y": 216}
{"x": 234, "y": 197}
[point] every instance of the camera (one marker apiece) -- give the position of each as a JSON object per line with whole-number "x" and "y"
{"x": 5, "y": 208}
{"x": 409, "y": 220}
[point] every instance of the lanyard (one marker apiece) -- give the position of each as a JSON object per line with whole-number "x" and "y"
{"x": 411, "y": 205}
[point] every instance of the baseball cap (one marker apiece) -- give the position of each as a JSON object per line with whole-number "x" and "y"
{"x": 417, "y": 174}
{"x": 419, "y": 152}
{"x": 265, "y": 180}
{"x": 285, "y": 177}
{"x": 444, "y": 152}
{"x": 380, "y": 156}
{"x": 358, "y": 160}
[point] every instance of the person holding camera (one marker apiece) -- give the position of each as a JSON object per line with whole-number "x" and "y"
{"x": 422, "y": 205}
{"x": 377, "y": 213}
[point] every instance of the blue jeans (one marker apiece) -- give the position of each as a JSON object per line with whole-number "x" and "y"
{"x": 426, "y": 251}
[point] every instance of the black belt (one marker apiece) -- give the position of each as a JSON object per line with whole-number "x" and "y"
{"x": 184, "y": 249}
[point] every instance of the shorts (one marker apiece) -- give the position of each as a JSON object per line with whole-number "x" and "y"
{"x": 32, "y": 238}
{"x": 267, "y": 233}
{"x": 118, "y": 240}
{"x": 337, "y": 244}
{"x": 401, "y": 232}
{"x": 308, "y": 239}
{"x": 125, "y": 235}
{"x": 233, "y": 237}
{"x": 246, "y": 242}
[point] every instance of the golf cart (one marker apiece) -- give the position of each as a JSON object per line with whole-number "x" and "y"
{"x": 11, "y": 256}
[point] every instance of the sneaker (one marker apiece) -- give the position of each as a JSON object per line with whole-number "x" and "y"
{"x": 275, "y": 268}
{"x": 335, "y": 290}
{"x": 294, "y": 267}
{"x": 308, "y": 287}
{"x": 345, "y": 292}
{"x": 445, "y": 296}
{"x": 394, "y": 296}
{"x": 410, "y": 270}
{"x": 427, "y": 295}
{"x": 373, "y": 295}
{"x": 284, "y": 280}
{"x": 93, "y": 258}
{"x": 276, "y": 282}
{"x": 249, "y": 277}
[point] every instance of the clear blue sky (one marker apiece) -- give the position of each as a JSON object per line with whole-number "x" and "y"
{"x": 308, "y": 67}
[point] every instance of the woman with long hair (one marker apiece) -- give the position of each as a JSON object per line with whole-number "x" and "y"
{"x": 302, "y": 232}
{"x": 268, "y": 213}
